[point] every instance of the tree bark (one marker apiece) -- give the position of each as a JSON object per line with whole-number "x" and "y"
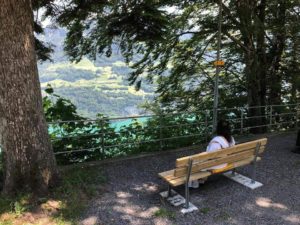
{"x": 295, "y": 71}
{"x": 253, "y": 74}
{"x": 275, "y": 54}
{"x": 29, "y": 161}
{"x": 262, "y": 61}
{"x": 252, "y": 36}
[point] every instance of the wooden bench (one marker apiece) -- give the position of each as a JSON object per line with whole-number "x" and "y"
{"x": 198, "y": 166}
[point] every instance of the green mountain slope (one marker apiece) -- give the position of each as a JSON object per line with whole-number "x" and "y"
{"x": 94, "y": 87}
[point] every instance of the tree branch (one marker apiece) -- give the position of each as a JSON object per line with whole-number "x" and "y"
{"x": 235, "y": 40}
{"x": 228, "y": 13}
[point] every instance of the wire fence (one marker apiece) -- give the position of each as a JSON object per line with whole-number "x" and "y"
{"x": 84, "y": 140}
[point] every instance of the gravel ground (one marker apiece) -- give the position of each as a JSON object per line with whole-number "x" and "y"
{"x": 133, "y": 187}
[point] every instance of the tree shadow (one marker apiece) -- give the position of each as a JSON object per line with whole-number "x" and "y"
{"x": 134, "y": 199}
{"x": 63, "y": 205}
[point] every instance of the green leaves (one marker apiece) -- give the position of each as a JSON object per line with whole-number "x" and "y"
{"x": 173, "y": 44}
{"x": 49, "y": 89}
{"x": 78, "y": 139}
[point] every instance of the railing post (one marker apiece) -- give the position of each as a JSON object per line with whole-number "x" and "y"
{"x": 297, "y": 115}
{"x": 271, "y": 113}
{"x": 160, "y": 132}
{"x": 102, "y": 136}
{"x": 242, "y": 120}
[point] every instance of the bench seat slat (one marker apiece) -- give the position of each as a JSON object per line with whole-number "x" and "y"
{"x": 215, "y": 162}
{"x": 169, "y": 177}
{"x": 220, "y": 154}
{"x": 210, "y": 155}
{"x": 242, "y": 163}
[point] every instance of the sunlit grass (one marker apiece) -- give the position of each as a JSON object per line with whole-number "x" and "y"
{"x": 64, "y": 205}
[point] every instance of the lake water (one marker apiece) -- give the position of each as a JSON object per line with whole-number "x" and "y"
{"x": 118, "y": 124}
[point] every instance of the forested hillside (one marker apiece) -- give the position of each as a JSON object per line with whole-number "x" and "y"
{"x": 99, "y": 86}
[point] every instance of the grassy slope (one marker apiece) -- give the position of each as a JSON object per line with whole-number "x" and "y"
{"x": 63, "y": 206}
{"x": 95, "y": 89}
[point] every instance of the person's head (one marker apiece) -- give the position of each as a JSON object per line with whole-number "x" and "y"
{"x": 223, "y": 129}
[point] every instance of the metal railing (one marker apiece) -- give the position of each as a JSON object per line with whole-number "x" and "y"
{"x": 109, "y": 137}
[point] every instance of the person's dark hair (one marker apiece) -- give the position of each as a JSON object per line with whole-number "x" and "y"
{"x": 223, "y": 129}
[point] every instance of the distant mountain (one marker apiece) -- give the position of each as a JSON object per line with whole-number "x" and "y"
{"x": 94, "y": 87}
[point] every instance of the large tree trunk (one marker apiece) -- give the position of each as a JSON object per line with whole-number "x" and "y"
{"x": 254, "y": 57}
{"x": 253, "y": 72}
{"x": 275, "y": 54}
{"x": 29, "y": 161}
{"x": 295, "y": 71}
{"x": 262, "y": 61}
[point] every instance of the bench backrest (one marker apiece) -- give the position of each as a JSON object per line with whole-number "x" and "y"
{"x": 205, "y": 160}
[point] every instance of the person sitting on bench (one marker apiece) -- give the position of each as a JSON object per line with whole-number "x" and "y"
{"x": 223, "y": 140}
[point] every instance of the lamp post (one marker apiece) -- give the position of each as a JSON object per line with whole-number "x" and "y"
{"x": 217, "y": 64}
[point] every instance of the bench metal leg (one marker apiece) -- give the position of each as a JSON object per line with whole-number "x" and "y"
{"x": 187, "y": 191}
{"x": 233, "y": 172}
{"x": 253, "y": 177}
{"x": 187, "y": 196}
{"x": 169, "y": 191}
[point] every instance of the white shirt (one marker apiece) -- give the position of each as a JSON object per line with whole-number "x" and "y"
{"x": 218, "y": 143}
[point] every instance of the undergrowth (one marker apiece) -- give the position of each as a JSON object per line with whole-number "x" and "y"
{"x": 64, "y": 205}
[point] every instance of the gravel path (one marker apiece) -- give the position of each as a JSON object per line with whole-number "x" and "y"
{"x": 132, "y": 192}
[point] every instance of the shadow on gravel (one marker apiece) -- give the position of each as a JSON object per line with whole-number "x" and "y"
{"x": 133, "y": 197}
